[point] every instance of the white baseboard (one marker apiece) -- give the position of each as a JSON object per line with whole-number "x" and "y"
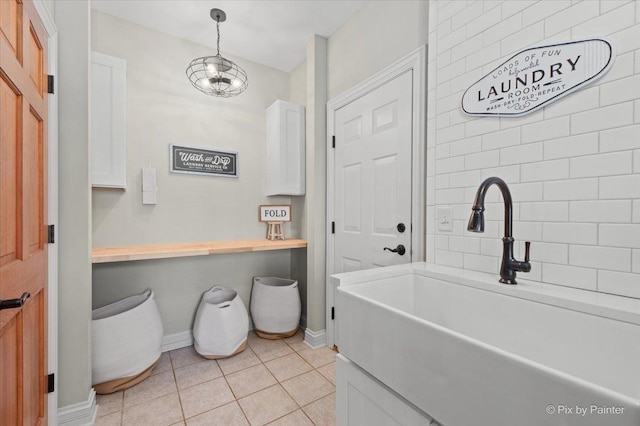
{"x": 315, "y": 339}
{"x": 177, "y": 340}
{"x": 80, "y": 414}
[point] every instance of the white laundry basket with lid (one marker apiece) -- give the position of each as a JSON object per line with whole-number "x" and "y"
{"x": 275, "y": 307}
{"x": 222, "y": 324}
{"x": 126, "y": 340}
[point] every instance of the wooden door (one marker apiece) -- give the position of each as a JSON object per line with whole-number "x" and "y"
{"x": 372, "y": 178}
{"x": 23, "y": 211}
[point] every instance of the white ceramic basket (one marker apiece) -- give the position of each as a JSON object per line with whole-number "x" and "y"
{"x": 275, "y": 307}
{"x": 126, "y": 337}
{"x": 222, "y": 324}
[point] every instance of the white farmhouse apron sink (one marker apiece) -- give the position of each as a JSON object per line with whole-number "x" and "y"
{"x": 470, "y": 351}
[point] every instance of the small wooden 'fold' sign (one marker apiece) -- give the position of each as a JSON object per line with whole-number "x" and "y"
{"x": 535, "y": 77}
{"x": 273, "y": 213}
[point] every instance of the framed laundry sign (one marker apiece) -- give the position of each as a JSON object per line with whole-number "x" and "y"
{"x": 201, "y": 161}
{"x": 275, "y": 213}
{"x": 538, "y": 76}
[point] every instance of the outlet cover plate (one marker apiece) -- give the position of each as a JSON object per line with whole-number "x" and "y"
{"x": 444, "y": 217}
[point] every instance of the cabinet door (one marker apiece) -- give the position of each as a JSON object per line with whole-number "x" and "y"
{"x": 108, "y": 121}
{"x": 285, "y": 149}
{"x": 363, "y": 400}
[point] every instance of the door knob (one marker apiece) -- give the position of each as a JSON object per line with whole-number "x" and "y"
{"x": 14, "y": 303}
{"x": 401, "y": 228}
{"x": 401, "y": 250}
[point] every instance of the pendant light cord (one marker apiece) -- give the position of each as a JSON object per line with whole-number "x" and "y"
{"x": 218, "y": 30}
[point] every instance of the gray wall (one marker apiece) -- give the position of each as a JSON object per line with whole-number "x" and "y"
{"x": 378, "y": 34}
{"x": 298, "y": 84}
{"x": 298, "y": 95}
{"x": 74, "y": 236}
{"x": 314, "y": 207}
{"x": 178, "y": 283}
{"x": 163, "y": 108}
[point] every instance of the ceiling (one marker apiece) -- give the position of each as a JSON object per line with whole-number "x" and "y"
{"x": 270, "y": 32}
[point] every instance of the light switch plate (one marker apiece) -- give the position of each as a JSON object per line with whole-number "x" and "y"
{"x": 444, "y": 217}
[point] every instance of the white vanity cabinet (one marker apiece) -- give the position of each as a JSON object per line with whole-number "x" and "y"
{"x": 363, "y": 400}
{"x": 285, "y": 149}
{"x": 108, "y": 121}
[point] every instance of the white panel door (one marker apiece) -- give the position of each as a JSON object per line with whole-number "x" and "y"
{"x": 372, "y": 194}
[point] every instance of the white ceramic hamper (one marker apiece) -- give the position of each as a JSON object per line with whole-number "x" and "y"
{"x": 275, "y": 307}
{"x": 126, "y": 342}
{"x": 222, "y": 324}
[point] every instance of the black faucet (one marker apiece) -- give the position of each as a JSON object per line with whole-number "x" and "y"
{"x": 509, "y": 264}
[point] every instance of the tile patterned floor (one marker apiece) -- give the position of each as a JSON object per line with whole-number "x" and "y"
{"x": 275, "y": 382}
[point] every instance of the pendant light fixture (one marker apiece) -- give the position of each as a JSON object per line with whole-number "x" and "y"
{"x": 215, "y": 75}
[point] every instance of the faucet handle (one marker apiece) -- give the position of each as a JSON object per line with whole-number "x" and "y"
{"x": 527, "y": 246}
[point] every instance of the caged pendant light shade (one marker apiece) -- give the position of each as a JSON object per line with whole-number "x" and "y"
{"x": 216, "y": 75}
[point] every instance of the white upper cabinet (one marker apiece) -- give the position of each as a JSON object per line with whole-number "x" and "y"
{"x": 285, "y": 149}
{"x": 108, "y": 121}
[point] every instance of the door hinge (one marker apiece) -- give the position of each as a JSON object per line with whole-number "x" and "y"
{"x": 50, "y": 80}
{"x": 51, "y": 234}
{"x": 333, "y": 312}
{"x": 333, "y": 141}
{"x": 51, "y": 383}
{"x": 333, "y": 227}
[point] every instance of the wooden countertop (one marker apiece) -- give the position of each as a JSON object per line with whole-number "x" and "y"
{"x": 162, "y": 251}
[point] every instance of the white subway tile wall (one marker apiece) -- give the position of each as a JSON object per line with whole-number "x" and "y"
{"x": 625, "y": 89}
{"x": 571, "y": 17}
{"x": 509, "y": 174}
{"x": 576, "y": 189}
{"x": 606, "y": 23}
{"x": 619, "y": 283}
{"x": 464, "y": 146}
{"x": 573, "y": 276}
{"x": 612, "y": 4}
{"x": 614, "y": 259}
{"x": 615, "y": 163}
{"x": 571, "y": 146}
{"x": 602, "y": 118}
{"x": 624, "y": 68}
{"x": 617, "y": 235}
{"x": 605, "y": 211}
{"x": 628, "y": 39}
{"x": 617, "y": 187}
{"x": 583, "y": 100}
{"x": 620, "y": 139}
{"x": 573, "y": 167}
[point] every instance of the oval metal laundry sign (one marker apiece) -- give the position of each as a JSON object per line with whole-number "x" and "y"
{"x": 538, "y": 76}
